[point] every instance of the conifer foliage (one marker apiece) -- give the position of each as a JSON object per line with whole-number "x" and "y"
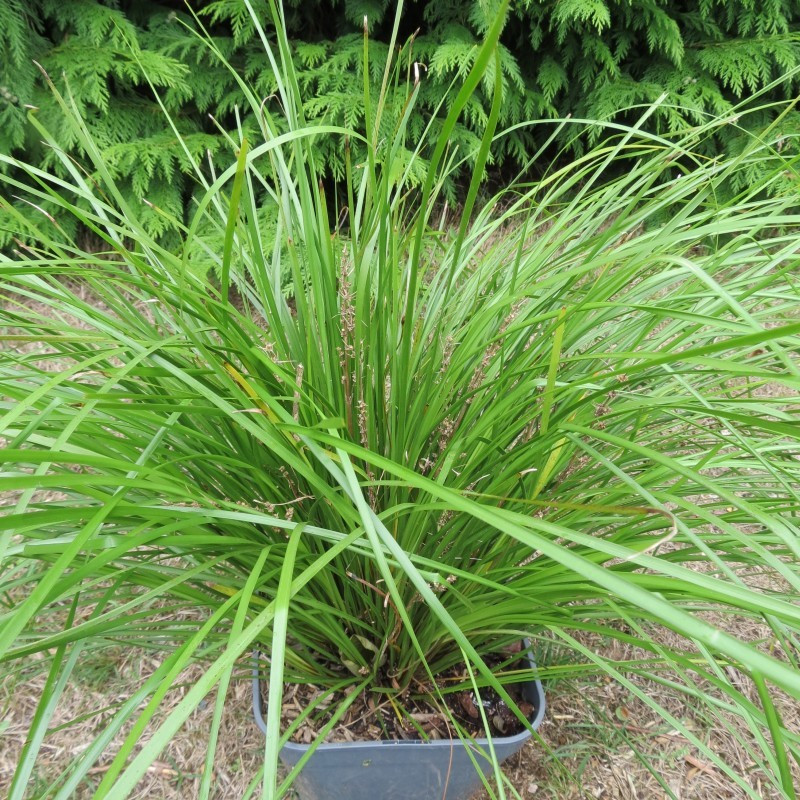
{"x": 119, "y": 59}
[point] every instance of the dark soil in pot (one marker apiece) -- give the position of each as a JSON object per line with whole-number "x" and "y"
{"x": 374, "y": 717}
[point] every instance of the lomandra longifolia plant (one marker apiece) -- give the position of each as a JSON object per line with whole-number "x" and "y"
{"x": 569, "y": 413}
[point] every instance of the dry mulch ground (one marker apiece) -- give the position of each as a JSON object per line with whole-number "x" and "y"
{"x": 108, "y": 679}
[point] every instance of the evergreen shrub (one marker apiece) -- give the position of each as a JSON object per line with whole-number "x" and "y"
{"x": 117, "y": 60}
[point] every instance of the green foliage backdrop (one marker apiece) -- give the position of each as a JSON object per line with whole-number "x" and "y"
{"x": 585, "y": 58}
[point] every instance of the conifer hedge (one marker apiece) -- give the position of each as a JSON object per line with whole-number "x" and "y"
{"x": 118, "y": 59}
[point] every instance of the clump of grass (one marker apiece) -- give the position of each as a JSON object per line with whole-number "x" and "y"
{"x": 532, "y": 424}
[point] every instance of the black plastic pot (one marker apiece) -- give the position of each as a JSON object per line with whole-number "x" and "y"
{"x": 400, "y": 770}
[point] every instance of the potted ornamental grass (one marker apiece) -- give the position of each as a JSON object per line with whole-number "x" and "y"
{"x": 467, "y": 438}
